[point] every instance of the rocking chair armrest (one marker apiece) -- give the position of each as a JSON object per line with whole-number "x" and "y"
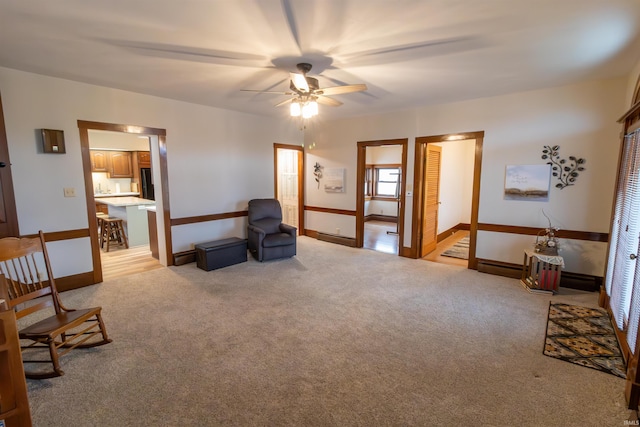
{"x": 62, "y": 306}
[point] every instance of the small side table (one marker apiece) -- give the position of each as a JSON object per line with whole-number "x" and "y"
{"x": 541, "y": 273}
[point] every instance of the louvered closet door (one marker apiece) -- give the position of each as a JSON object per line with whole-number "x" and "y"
{"x": 431, "y": 199}
{"x": 622, "y": 282}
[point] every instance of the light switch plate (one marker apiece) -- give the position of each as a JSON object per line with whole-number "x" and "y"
{"x": 69, "y": 192}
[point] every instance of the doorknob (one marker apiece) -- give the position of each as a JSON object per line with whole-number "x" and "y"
{"x": 2, "y": 164}
{"x": 633, "y": 256}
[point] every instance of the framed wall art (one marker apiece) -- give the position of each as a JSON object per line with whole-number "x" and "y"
{"x": 334, "y": 180}
{"x": 527, "y": 182}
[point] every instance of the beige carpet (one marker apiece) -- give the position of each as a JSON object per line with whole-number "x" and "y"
{"x": 334, "y": 337}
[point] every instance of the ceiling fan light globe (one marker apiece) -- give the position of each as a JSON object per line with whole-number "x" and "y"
{"x": 313, "y": 106}
{"x": 307, "y": 111}
{"x": 295, "y": 109}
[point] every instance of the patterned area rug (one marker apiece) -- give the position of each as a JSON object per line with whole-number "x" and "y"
{"x": 583, "y": 336}
{"x": 458, "y": 250}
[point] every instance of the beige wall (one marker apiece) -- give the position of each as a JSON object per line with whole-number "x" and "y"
{"x": 217, "y": 159}
{"x": 580, "y": 118}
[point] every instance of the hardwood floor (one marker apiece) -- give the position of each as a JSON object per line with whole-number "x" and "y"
{"x": 376, "y": 237}
{"x": 436, "y": 256}
{"x": 119, "y": 262}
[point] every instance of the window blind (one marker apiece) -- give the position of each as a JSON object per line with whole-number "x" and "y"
{"x": 620, "y": 274}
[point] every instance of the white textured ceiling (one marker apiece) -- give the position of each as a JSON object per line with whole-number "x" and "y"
{"x": 408, "y": 52}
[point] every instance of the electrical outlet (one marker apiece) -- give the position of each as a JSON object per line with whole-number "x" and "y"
{"x": 337, "y": 231}
{"x": 69, "y": 192}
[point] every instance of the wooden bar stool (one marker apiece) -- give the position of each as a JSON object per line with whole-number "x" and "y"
{"x": 113, "y": 232}
{"x": 99, "y": 217}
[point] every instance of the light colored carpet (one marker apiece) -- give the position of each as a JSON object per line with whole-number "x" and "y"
{"x": 333, "y": 337}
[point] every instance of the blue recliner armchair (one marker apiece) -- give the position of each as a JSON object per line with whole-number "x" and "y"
{"x": 268, "y": 237}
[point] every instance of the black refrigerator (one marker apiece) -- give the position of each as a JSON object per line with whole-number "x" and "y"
{"x": 146, "y": 184}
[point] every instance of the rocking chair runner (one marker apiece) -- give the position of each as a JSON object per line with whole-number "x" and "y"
{"x": 28, "y": 287}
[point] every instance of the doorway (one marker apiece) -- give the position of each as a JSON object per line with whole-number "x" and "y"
{"x": 121, "y": 173}
{"x": 380, "y": 198}
{"x": 438, "y": 226}
{"x": 8, "y": 212}
{"x": 289, "y": 183}
{"x": 156, "y": 139}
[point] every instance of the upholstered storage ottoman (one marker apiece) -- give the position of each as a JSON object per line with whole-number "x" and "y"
{"x": 221, "y": 253}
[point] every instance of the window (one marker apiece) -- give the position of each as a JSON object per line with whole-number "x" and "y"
{"x": 368, "y": 181}
{"x": 386, "y": 181}
{"x": 622, "y": 280}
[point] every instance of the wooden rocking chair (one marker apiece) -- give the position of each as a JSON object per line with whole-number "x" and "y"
{"x": 28, "y": 287}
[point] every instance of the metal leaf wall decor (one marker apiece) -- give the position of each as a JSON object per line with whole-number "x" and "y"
{"x": 317, "y": 172}
{"x": 565, "y": 170}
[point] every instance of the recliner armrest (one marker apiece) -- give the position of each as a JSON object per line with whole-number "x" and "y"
{"x": 289, "y": 229}
{"x": 256, "y": 229}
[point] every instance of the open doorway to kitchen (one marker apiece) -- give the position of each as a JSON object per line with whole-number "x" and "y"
{"x": 120, "y": 162}
{"x": 380, "y": 198}
{"x": 446, "y": 195}
{"x": 123, "y": 191}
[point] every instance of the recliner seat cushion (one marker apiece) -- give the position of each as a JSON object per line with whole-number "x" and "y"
{"x": 278, "y": 239}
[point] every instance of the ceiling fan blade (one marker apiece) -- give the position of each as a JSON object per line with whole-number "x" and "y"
{"x": 328, "y": 101}
{"x": 337, "y": 90}
{"x": 300, "y": 82}
{"x": 286, "y": 101}
{"x": 332, "y": 77}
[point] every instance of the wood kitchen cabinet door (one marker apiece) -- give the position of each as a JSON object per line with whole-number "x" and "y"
{"x": 102, "y": 208}
{"x": 144, "y": 159}
{"x": 120, "y": 164}
{"x": 99, "y": 161}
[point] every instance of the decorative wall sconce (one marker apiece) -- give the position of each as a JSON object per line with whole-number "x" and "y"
{"x": 52, "y": 141}
{"x": 565, "y": 171}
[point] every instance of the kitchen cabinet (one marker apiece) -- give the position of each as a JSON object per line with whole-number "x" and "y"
{"x": 102, "y": 208}
{"x": 117, "y": 164}
{"x": 144, "y": 159}
{"x": 120, "y": 164}
{"x": 132, "y": 210}
{"x": 99, "y": 161}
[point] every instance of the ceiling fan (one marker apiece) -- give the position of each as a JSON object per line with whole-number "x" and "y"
{"x": 307, "y": 94}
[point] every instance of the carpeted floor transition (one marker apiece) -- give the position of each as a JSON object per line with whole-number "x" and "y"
{"x": 584, "y": 336}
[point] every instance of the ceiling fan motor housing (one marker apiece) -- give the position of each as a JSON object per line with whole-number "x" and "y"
{"x": 311, "y": 81}
{"x": 304, "y": 67}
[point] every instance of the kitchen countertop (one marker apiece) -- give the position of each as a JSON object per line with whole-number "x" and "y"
{"x": 102, "y": 195}
{"x": 125, "y": 201}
